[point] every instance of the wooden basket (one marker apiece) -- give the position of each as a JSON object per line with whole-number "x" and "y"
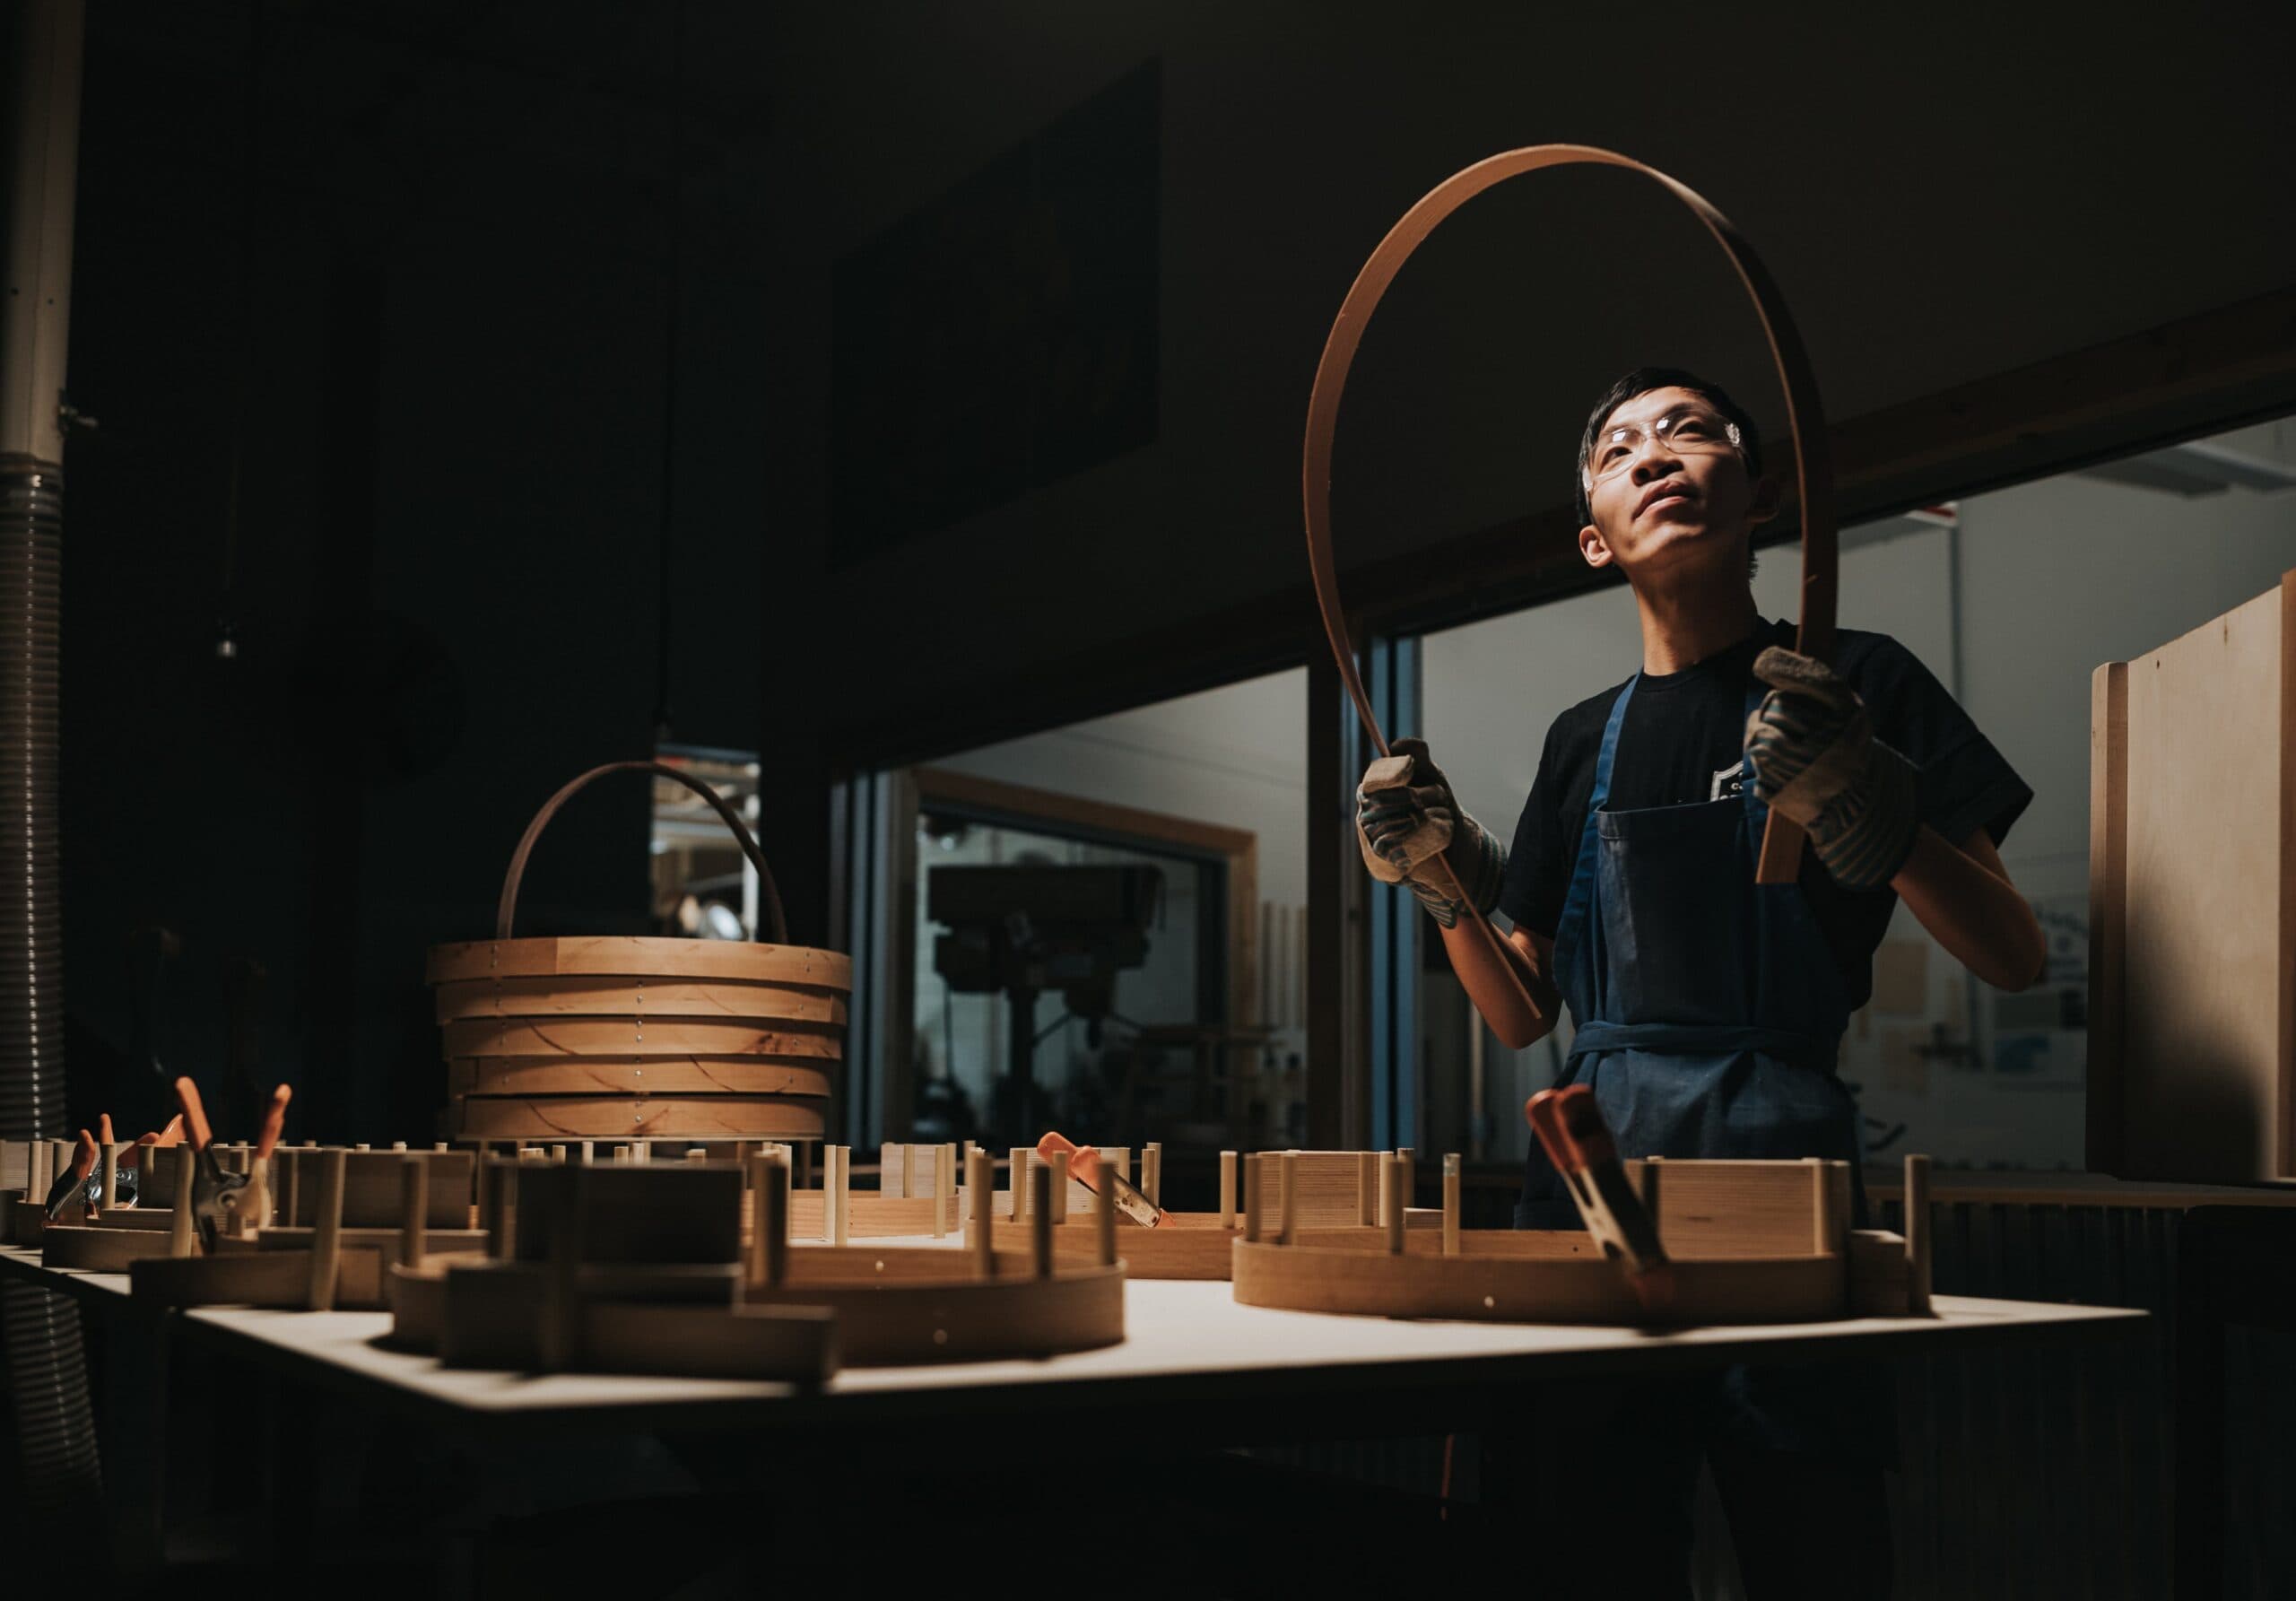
{"x": 618, "y": 1038}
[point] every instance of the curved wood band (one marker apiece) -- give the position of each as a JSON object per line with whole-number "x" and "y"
{"x": 777, "y": 925}
{"x": 1781, "y": 849}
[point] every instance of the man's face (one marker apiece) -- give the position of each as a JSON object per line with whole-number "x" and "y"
{"x": 1671, "y": 493}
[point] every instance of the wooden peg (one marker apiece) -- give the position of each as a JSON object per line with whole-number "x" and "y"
{"x": 1393, "y": 1188}
{"x": 1382, "y": 1162}
{"x": 1654, "y": 1195}
{"x": 413, "y": 1210}
{"x": 398, "y": 1144}
{"x": 586, "y": 1147}
{"x": 558, "y": 1153}
{"x": 1451, "y": 1205}
{"x": 1104, "y": 1229}
{"x": 326, "y": 1232}
{"x": 1407, "y": 1175}
{"x": 436, "y": 1146}
{"x": 108, "y": 1165}
{"x": 1151, "y": 1171}
{"x": 1059, "y": 1186}
{"x": 36, "y": 1174}
{"x": 980, "y": 1178}
{"x": 1018, "y": 1179}
{"x": 1917, "y": 1236}
{"x": 944, "y": 1187}
{"x": 1287, "y": 1188}
{"x": 1251, "y": 1197}
{"x": 754, "y": 1179}
{"x": 642, "y": 1152}
{"x": 562, "y": 1320}
{"x": 1824, "y": 1226}
{"x": 1040, "y": 1220}
{"x": 777, "y": 1220}
{"x": 696, "y": 1154}
{"x": 839, "y": 1178}
{"x": 180, "y": 1235}
{"x": 363, "y": 1145}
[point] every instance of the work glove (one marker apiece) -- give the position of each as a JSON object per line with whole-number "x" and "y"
{"x": 1816, "y": 761}
{"x": 1406, "y": 816}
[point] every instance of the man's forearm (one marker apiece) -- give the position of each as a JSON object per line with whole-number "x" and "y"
{"x": 1973, "y": 910}
{"x": 1483, "y": 967}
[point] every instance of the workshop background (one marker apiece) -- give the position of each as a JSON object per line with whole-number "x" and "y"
{"x": 896, "y": 409}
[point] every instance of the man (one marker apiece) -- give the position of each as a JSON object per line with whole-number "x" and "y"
{"x": 1709, "y": 1010}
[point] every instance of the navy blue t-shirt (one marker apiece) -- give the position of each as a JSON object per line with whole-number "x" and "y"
{"x": 1683, "y": 739}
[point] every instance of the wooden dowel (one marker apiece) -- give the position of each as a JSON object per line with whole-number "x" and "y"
{"x": 1040, "y": 1220}
{"x": 1251, "y": 1197}
{"x": 1104, "y": 1229}
{"x": 1226, "y": 1190}
{"x": 326, "y": 1232}
{"x": 108, "y": 1165}
{"x": 642, "y": 1152}
{"x": 586, "y": 1147}
{"x": 179, "y": 1230}
{"x": 1059, "y": 1191}
{"x": 506, "y": 1207}
{"x": 558, "y": 1153}
{"x": 1151, "y": 1171}
{"x": 980, "y": 1178}
{"x": 1287, "y": 1187}
{"x": 843, "y": 1187}
{"x": 1917, "y": 1236}
{"x": 1019, "y": 1180}
{"x": 944, "y": 1187}
{"x": 363, "y": 1145}
{"x": 1822, "y": 1227}
{"x": 562, "y": 1324}
{"x": 754, "y": 1176}
{"x": 1407, "y": 1175}
{"x": 1393, "y": 1188}
{"x": 255, "y": 1203}
{"x": 1451, "y": 1205}
{"x": 696, "y": 1154}
{"x": 413, "y": 1211}
{"x": 777, "y": 1221}
{"x": 37, "y": 1177}
{"x": 290, "y": 1184}
{"x": 1654, "y": 1195}
{"x": 1383, "y": 1163}
{"x": 398, "y": 1144}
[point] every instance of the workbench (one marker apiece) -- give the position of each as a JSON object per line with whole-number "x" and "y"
{"x": 1196, "y": 1371}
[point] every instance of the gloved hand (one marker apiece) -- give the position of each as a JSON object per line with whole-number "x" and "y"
{"x": 1406, "y": 816}
{"x": 1816, "y": 761}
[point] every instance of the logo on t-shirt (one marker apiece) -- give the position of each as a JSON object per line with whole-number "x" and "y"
{"x": 1729, "y": 783}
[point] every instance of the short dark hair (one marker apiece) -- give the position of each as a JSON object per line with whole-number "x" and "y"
{"x": 1642, "y": 381}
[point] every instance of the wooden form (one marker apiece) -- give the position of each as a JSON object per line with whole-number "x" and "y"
{"x": 900, "y": 1304}
{"x": 1194, "y": 1245}
{"x": 632, "y": 1268}
{"x": 599, "y": 1038}
{"x": 1750, "y": 1243}
{"x": 2192, "y": 903}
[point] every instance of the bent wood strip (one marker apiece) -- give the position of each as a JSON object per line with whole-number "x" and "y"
{"x": 634, "y": 956}
{"x": 977, "y": 1319}
{"x": 643, "y": 1116}
{"x": 577, "y": 996}
{"x": 659, "y": 1075}
{"x": 97, "y": 1248}
{"x": 1781, "y": 847}
{"x": 518, "y": 1037}
{"x": 1481, "y": 1285}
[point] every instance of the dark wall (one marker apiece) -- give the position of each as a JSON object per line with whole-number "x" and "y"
{"x": 446, "y": 570}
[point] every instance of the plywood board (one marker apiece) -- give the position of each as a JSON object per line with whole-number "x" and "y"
{"x": 2202, "y": 1034}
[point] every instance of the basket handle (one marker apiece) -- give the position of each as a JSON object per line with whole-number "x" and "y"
{"x": 777, "y": 925}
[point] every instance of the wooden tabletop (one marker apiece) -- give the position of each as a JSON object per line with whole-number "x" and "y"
{"x": 1190, "y": 1352}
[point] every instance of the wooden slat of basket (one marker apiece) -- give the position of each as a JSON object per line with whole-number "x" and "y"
{"x": 580, "y": 996}
{"x": 651, "y": 1076}
{"x": 642, "y": 1117}
{"x": 632, "y": 956}
{"x": 628, "y": 1037}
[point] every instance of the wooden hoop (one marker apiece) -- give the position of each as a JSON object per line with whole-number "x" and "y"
{"x": 1781, "y": 847}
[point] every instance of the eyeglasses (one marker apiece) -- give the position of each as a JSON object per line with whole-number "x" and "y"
{"x": 1687, "y": 431}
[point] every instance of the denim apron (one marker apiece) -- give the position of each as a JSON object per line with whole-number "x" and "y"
{"x": 1710, "y": 1010}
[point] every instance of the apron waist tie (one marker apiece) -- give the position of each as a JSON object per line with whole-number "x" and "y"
{"x": 1821, "y": 1052}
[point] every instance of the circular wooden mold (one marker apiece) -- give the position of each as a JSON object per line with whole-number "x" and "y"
{"x": 911, "y": 1303}
{"x": 1526, "y": 1276}
{"x": 605, "y": 1037}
